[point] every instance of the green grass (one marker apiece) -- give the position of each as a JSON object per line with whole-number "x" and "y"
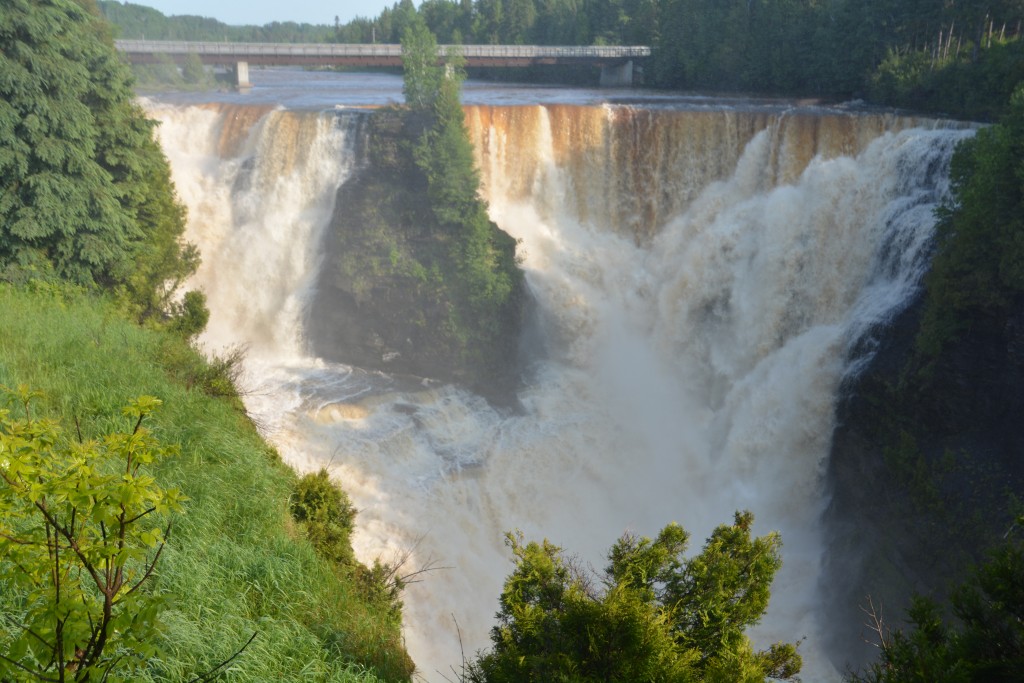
{"x": 236, "y": 563}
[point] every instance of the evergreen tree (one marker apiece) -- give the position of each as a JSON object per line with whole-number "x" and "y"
{"x": 471, "y": 262}
{"x": 422, "y": 73}
{"x": 659, "y": 617}
{"x": 85, "y": 191}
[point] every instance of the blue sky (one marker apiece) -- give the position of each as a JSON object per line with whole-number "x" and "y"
{"x": 261, "y": 12}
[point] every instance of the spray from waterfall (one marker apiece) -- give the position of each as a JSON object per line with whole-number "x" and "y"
{"x": 700, "y": 277}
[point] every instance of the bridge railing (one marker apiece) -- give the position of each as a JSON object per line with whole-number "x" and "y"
{"x": 327, "y": 50}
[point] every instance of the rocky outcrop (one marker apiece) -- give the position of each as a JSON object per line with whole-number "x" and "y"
{"x": 389, "y": 296}
{"x": 925, "y": 461}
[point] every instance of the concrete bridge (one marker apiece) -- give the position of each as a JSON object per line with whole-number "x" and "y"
{"x": 616, "y": 62}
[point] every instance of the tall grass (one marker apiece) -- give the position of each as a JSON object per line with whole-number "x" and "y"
{"x": 236, "y": 564}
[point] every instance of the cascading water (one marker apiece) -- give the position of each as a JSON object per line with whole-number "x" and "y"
{"x": 259, "y": 185}
{"x": 700, "y": 278}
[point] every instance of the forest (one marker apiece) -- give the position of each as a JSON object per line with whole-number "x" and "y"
{"x": 958, "y": 58}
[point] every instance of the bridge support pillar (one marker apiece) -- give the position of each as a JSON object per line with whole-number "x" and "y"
{"x": 617, "y": 75}
{"x": 242, "y": 75}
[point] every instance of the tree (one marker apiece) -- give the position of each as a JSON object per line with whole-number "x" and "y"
{"x": 482, "y": 254}
{"x": 421, "y": 70}
{"x": 82, "y": 526}
{"x": 85, "y": 191}
{"x": 978, "y": 270}
{"x": 193, "y": 72}
{"x": 657, "y": 617}
{"x": 517, "y": 21}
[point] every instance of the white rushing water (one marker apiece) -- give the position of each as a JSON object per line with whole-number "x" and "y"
{"x": 686, "y": 378}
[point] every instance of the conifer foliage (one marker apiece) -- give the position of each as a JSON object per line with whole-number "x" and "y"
{"x": 486, "y": 282}
{"x": 653, "y": 616}
{"x": 85, "y": 192}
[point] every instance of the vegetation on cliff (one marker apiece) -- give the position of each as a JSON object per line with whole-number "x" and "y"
{"x": 978, "y": 636}
{"x": 90, "y": 243}
{"x": 973, "y": 299}
{"x": 237, "y": 562}
{"x": 978, "y": 270}
{"x": 927, "y": 456}
{"x": 486, "y": 271}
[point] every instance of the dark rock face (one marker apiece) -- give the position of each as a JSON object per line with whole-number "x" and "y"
{"x": 923, "y": 466}
{"x": 385, "y": 299}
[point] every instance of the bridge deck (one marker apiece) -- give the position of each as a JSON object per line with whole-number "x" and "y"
{"x": 145, "y": 51}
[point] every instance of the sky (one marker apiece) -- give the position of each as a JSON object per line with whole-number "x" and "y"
{"x": 261, "y": 12}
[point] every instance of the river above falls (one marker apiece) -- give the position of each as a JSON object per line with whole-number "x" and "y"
{"x": 295, "y": 88}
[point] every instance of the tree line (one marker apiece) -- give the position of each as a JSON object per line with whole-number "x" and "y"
{"x": 892, "y": 51}
{"x": 141, "y": 22}
{"x": 958, "y": 58}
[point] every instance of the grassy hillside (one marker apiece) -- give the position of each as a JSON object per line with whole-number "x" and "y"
{"x": 236, "y": 562}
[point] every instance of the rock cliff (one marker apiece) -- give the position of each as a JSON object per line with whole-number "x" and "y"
{"x": 924, "y": 471}
{"x": 390, "y": 296}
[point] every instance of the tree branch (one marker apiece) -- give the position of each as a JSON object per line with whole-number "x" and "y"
{"x": 138, "y": 424}
{"x": 73, "y": 544}
{"x": 20, "y": 541}
{"x": 152, "y": 565}
{"x": 206, "y": 676}
{"x": 140, "y": 516}
{"x": 877, "y": 624}
{"x": 28, "y": 630}
{"x": 30, "y": 671}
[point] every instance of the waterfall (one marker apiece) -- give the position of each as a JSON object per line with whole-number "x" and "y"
{"x": 701, "y": 278}
{"x": 259, "y": 185}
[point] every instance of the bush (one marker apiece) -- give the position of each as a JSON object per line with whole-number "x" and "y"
{"x": 328, "y": 516}
{"x": 657, "y": 617}
{"x": 189, "y": 317}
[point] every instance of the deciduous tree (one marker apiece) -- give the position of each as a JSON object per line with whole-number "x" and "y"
{"x": 82, "y": 526}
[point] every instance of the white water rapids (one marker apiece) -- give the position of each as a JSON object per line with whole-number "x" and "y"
{"x": 686, "y": 378}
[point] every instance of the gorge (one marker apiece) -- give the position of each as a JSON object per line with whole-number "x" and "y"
{"x": 704, "y": 273}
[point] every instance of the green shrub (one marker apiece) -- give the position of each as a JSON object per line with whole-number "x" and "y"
{"x": 86, "y": 189}
{"x": 328, "y": 516}
{"x": 189, "y": 317}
